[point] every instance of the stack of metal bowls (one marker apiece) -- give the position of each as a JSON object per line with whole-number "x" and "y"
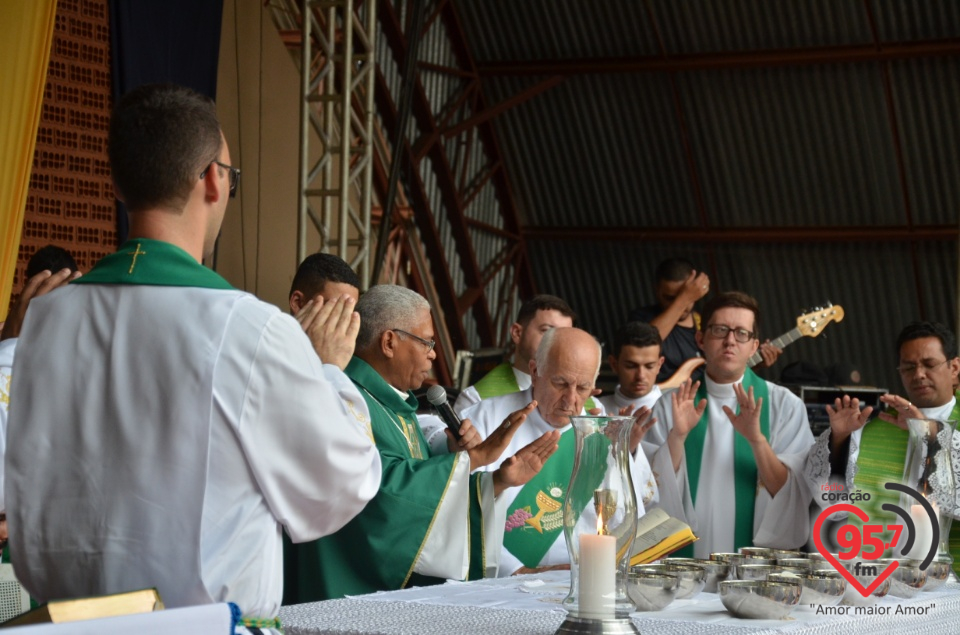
{"x": 907, "y": 580}
{"x": 821, "y": 588}
{"x": 760, "y": 599}
{"x": 853, "y": 597}
{"x": 651, "y": 590}
{"x": 692, "y": 578}
{"x": 938, "y": 572}
{"x": 715, "y": 570}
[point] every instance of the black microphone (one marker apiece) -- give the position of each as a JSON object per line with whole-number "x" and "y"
{"x": 437, "y": 396}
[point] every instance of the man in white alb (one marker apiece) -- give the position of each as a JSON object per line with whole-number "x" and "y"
{"x": 636, "y": 360}
{"x": 192, "y": 420}
{"x": 564, "y": 372}
{"x": 728, "y": 455}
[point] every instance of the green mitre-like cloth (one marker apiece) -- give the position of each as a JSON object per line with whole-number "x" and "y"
{"x": 377, "y": 550}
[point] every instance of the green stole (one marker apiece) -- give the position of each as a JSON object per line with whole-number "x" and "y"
{"x": 883, "y": 452}
{"x": 145, "y": 261}
{"x": 528, "y": 535}
{"x": 377, "y": 550}
{"x": 502, "y": 381}
{"x": 745, "y": 481}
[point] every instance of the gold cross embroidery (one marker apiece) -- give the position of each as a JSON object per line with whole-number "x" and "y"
{"x": 135, "y": 254}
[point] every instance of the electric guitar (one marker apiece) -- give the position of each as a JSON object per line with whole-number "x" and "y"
{"x": 808, "y": 325}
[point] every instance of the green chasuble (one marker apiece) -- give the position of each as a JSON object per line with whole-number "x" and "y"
{"x": 883, "y": 453}
{"x": 152, "y": 262}
{"x": 377, "y": 550}
{"x": 746, "y": 483}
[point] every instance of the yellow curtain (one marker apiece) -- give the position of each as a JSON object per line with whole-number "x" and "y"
{"x": 26, "y": 32}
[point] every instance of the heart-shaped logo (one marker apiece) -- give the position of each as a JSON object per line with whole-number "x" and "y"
{"x": 852, "y": 579}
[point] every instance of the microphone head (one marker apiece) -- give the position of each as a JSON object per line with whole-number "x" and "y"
{"x": 437, "y": 395}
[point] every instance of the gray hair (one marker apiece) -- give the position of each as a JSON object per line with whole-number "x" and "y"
{"x": 384, "y": 307}
{"x": 546, "y": 343}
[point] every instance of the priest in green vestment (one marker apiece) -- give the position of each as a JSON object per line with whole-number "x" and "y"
{"x": 728, "y": 454}
{"x": 432, "y": 519}
{"x": 857, "y": 453}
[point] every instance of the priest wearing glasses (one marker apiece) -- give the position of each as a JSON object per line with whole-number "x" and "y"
{"x": 728, "y": 453}
{"x": 433, "y": 519}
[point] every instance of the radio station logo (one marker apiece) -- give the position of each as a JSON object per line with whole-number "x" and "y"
{"x": 866, "y": 543}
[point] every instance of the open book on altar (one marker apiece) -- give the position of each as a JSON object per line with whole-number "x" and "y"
{"x": 658, "y": 535}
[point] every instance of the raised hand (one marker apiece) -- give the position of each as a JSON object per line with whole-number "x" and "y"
{"x": 643, "y": 420}
{"x": 490, "y": 449}
{"x": 38, "y": 285}
{"x": 747, "y": 421}
{"x": 686, "y": 413}
{"x": 332, "y": 328}
{"x": 905, "y": 410}
{"x": 525, "y": 464}
{"x": 846, "y": 417}
{"x": 696, "y": 286}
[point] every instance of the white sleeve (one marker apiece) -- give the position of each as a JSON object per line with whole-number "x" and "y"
{"x": 446, "y": 550}
{"x": 304, "y": 428}
{"x": 7, "y": 349}
{"x": 469, "y": 397}
{"x": 783, "y": 521}
{"x": 433, "y": 428}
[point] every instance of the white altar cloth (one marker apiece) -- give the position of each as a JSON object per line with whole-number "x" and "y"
{"x": 530, "y": 605}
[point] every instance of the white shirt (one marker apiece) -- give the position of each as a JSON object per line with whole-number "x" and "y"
{"x": 612, "y": 403}
{"x": 160, "y": 436}
{"x": 780, "y": 521}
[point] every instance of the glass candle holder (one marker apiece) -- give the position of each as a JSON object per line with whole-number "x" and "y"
{"x": 928, "y": 470}
{"x": 600, "y": 518}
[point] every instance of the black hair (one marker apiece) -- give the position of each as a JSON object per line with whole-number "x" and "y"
{"x": 162, "y": 137}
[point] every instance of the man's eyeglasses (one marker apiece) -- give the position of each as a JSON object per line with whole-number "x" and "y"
{"x": 927, "y": 365}
{"x": 720, "y": 331}
{"x": 234, "y": 176}
{"x": 428, "y": 343}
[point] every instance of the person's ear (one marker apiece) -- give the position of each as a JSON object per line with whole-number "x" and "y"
{"x": 388, "y": 344}
{"x": 516, "y": 330}
{"x": 296, "y": 302}
{"x": 215, "y": 187}
{"x": 699, "y": 336}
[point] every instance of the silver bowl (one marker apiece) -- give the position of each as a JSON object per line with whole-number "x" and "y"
{"x": 692, "y": 577}
{"x": 853, "y": 597}
{"x": 907, "y": 580}
{"x": 754, "y": 571}
{"x": 804, "y": 564}
{"x": 715, "y": 570}
{"x": 724, "y": 556}
{"x": 757, "y": 552}
{"x": 651, "y": 590}
{"x": 938, "y": 572}
{"x": 824, "y": 588}
{"x": 760, "y": 599}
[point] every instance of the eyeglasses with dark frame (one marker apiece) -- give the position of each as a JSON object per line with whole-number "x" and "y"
{"x": 720, "y": 331}
{"x": 234, "y": 176}
{"x": 927, "y": 365}
{"x": 428, "y": 343}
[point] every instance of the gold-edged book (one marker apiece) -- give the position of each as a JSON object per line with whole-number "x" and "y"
{"x": 658, "y": 535}
{"x": 59, "y": 611}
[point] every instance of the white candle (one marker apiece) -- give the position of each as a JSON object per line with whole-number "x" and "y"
{"x": 923, "y": 534}
{"x": 598, "y": 573}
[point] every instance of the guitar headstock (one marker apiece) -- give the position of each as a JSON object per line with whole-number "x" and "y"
{"x": 812, "y": 324}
